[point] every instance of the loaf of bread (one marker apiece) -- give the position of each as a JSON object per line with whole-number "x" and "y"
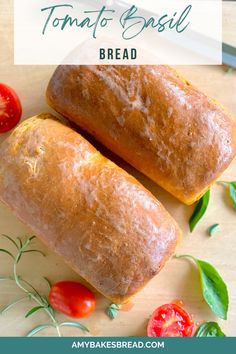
{"x": 103, "y": 222}
{"x": 151, "y": 117}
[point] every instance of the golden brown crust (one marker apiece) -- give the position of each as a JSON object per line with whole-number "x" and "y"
{"x": 105, "y": 224}
{"x": 152, "y": 118}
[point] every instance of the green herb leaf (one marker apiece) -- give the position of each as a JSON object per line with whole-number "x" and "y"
{"x": 74, "y": 324}
{"x": 232, "y": 190}
{"x": 36, "y": 293}
{"x": 11, "y": 240}
{"x": 199, "y": 211}
{"x": 7, "y": 252}
{"x": 232, "y": 193}
{"x": 33, "y": 310}
{"x": 214, "y": 289}
{"x": 32, "y": 238}
{"x": 9, "y": 306}
{"x": 211, "y": 230}
{"x": 38, "y": 329}
{"x": 18, "y": 257}
{"x": 25, "y": 245}
{"x": 209, "y": 329}
{"x": 229, "y": 70}
{"x": 29, "y": 251}
{"x": 5, "y": 278}
{"x": 48, "y": 282}
{"x": 112, "y": 311}
{"x": 20, "y": 242}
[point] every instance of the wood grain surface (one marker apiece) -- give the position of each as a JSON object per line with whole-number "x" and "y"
{"x": 179, "y": 279}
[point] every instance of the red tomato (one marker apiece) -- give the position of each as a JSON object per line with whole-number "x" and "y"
{"x": 10, "y": 108}
{"x": 72, "y": 298}
{"x": 170, "y": 321}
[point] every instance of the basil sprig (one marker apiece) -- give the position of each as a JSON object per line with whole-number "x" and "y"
{"x": 209, "y": 329}
{"x": 214, "y": 289}
{"x": 232, "y": 191}
{"x": 199, "y": 211}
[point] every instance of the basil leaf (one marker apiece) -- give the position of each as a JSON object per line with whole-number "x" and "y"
{"x": 199, "y": 211}
{"x": 211, "y": 230}
{"x": 214, "y": 289}
{"x": 112, "y": 311}
{"x": 232, "y": 191}
{"x": 209, "y": 329}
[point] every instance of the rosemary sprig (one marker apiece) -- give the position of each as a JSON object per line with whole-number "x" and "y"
{"x": 29, "y": 290}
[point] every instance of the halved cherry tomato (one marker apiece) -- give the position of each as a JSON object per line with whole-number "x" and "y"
{"x": 10, "y": 108}
{"x": 72, "y": 298}
{"x": 170, "y": 320}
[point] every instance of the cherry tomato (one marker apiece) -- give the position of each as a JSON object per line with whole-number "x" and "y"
{"x": 170, "y": 320}
{"x": 10, "y": 108}
{"x": 72, "y": 298}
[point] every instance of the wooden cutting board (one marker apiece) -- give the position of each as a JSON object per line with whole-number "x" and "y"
{"x": 179, "y": 279}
